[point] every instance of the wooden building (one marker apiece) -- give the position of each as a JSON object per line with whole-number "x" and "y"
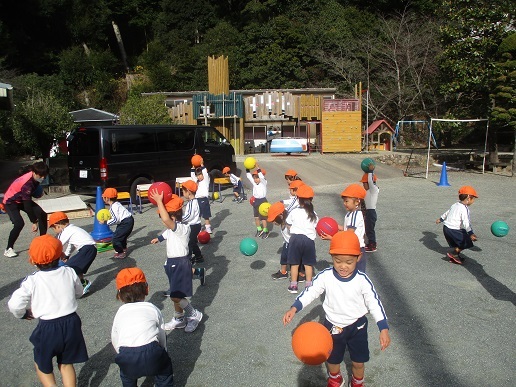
{"x": 380, "y": 135}
{"x": 341, "y": 126}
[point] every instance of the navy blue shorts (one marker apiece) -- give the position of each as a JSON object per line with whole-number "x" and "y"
{"x": 238, "y": 188}
{"x": 204, "y": 207}
{"x": 179, "y": 273}
{"x": 148, "y": 360}
{"x": 256, "y": 207}
{"x": 353, "y": 336}
{"x": 61, "y": 338}
{"x": 301, "y": 249}
{"x": 284, "y": 254}
{"x": 457, "y": 238}
{"x": 83, "y": 259}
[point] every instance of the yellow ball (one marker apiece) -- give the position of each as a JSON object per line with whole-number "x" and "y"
{"x": 264, "y": 209}
{"x": 216, "y": 195}
{"x": 249, "y": 163}
{"x": 103, "y": 215}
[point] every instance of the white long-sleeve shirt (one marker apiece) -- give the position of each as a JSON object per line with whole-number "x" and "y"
{"x": 457, "y": 217}
{"x": 355, "y": 220}
{"x": 260, "y": 189}
{"x": 291, "y": 203}
{"x": 76, "y": 237}
{"x": 346, "y": 299}
{"x": 234, "y": 179}
{"x": 371, "y": 196}
{"x": 191, "y": 213}
{"x": 48, "y": 293}
{"x": 203, "y": 187}
{"x": 118, "y": 213}
{"x": 137, "y": 324}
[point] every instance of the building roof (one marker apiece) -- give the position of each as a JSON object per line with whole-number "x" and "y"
{"x": 93, "y": 115}
{"x": 377, "y": 124}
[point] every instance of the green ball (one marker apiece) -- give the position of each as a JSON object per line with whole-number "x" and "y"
{"x": 499, "y": 228}
{"x": 365, "y": 165}
{"x": 248, "y": 246}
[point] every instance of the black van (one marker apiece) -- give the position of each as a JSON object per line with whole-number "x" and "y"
{"x": 123, "y": 156}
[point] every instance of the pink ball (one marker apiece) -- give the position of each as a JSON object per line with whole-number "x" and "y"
{"x": 327, "y": 225}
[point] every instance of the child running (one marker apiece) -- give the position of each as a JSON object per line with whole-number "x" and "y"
{"x": 202, "y": 178}
{"x": 50, "y": 295}
{"x": 137, "y": 333}
{"x": 278, "y": 215}
{"x": 457, "y": 227}
{"x": 77, "y": 239}
{"x": 349, "y": 296}
{"x": 192, "y": 218}
{"x": 301, "y": 249}
{"x": 371, "y": 197}
{"x": 237, "y": 184}
{"x": 122, "y": 218}
{"x": 177, "y": 266}
{"x": 259, "y": 184}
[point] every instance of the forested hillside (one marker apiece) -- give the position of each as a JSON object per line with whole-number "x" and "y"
{"x": 420, "y": 58}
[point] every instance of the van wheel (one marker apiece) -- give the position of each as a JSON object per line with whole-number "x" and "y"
{"x": 136, "y": 182}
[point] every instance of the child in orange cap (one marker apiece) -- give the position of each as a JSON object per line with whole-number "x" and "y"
{"x": 50, "y": 295}
{"x": 192, "y": 217}
{"x": 201, "y": 176}
{"x": 237, "y": 185}
{"x": 77, "y": 239}
{"x": 301, "y": 249}
{"x": 122, "y": 218}
{"x": 259, "y": 184}
{"x": 457, "y": 224}
{"x": 291, "y": 176}
{"x": 349, "y": 296}
{"x": 137, "y": 333}
{"x": 177, "y": 266}
{"x": 353, "y": 199}
{"x": 278, "y": 215}
{"x": 371, "y": 198}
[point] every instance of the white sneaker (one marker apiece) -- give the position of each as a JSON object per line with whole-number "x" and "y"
{"x": 193, "y": 321}
{"x": 10, "y": 253}
{"x": 208, "y": 229}
{"x": 175, "y": 323}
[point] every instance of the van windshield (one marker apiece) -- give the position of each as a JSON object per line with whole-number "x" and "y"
{"x": 84, "y": 142}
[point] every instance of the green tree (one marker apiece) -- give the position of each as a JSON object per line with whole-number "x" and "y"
{"x": 144, "y": 110}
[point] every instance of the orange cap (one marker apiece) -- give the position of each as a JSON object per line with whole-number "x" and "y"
{"x": 291, "y": 172}
{"x": 345, "y": 242}
{"x": 468, "y": 190}
{"x": 305, "y": 192}
{"x": 45, "y": 249}
{"x": 354, "y": 191}
{"x": 129, "y": 276}
{"x": 175, "y": 204}
{"x": 190, "y": 185}
{"x": 56, "y": 217}
{"x": 110, "y": 193}
{"x": 364, "y": 178}
{"x": 276, "y": 209}
{"x": 226, "y": 170}
{"x": 296, "y": 184}
{"x": 264, "y": 172}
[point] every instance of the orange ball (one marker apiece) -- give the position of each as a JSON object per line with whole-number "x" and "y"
{"x": 312, "y": 343}
{"x": 196, "y": 160}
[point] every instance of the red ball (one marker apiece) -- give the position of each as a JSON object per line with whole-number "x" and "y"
{"x": 203, "y": 237}
{"x": 312, "y": 343}
{"x": 161, "y": 187}
{"x": 327, "y": 225}
{"x": 196, "y": 160}
{"x": 251, "y": 200}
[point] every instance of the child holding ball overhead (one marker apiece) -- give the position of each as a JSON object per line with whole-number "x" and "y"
{"x": 259, "y": 184}
{"x": 202, "y": 178}
{"x": 457, "y": 224}
{"x": 349, "y": 296}
{"x": 137, "y": 333}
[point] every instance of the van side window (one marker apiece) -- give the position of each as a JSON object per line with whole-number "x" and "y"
{"x": 132, "y": 141}
{"x": 172, "y": 140}
{"x": 84, "y": 142}
{"x": 212, "y": 137}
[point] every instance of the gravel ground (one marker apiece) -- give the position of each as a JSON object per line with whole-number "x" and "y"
{"x": 450, "y": 325}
